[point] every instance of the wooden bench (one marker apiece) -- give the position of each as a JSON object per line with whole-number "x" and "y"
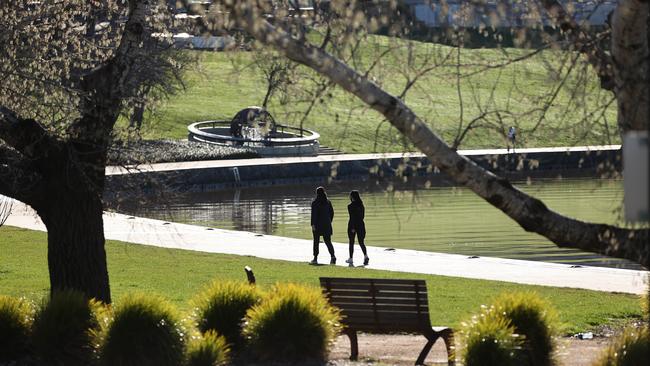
{"x": 385, "y": 306}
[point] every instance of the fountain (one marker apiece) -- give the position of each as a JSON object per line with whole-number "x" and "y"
{"x": 254, "y": 128}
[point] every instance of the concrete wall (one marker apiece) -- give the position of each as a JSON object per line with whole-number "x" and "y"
{"x": 534, "y": 163}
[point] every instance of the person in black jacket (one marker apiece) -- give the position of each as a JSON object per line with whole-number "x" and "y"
{"x": 322, "y": 214}
{"x": 356, "y": 226}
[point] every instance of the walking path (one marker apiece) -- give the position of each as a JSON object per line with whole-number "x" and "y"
{"x": 190, "y": 237}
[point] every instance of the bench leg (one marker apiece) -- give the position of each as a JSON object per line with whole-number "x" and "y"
{"x": 354, "y": 345}
{"x": 448, "y": 336}
{"x": 431, "y": 339}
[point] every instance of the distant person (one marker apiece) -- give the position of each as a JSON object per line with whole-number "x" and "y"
{"x": 322, "y": 214}
{"x": 512, "y": 137}
{"x": 356, "y": 226}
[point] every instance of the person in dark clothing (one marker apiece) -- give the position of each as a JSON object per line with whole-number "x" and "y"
{"x": 356, "y": 226}
{"x": 322, "y": 214}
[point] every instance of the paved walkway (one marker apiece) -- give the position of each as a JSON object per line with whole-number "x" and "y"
{"x": 190, "y": 237}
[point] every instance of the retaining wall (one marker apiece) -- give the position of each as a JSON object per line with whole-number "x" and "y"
{"x": 210, "y": 176}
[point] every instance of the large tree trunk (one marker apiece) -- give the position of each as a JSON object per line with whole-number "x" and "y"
{"x": 75, "y": 238}
{"x": 631, "y": 54}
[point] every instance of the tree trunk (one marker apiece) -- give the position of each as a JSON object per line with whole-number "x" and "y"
{"x": 76, "y": 255}
{"x": 631, "y": 52}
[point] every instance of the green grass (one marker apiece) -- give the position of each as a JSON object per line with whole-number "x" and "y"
{"x": 178, "y": 275}
{"x": 223, "y": 83}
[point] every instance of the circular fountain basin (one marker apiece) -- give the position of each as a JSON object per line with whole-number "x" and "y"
{"x": 285, "y": 141}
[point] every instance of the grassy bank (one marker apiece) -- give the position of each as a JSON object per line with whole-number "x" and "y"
{"x": 178, "y": 275}
{"x": 522, "y": 92}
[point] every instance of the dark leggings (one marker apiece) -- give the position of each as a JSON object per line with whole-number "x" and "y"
{"x": 328, "y": 241}
{"x": 361, "y": 235}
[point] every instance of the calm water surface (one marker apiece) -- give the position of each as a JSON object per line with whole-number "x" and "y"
{"x": 403, "y": 215}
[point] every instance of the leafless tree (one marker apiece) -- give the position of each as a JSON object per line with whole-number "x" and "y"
{"x": 627, "y": 78}
{"x": 5, "y": 208}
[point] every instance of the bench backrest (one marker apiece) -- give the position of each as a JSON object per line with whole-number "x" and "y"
{"x": 379, "y": 305}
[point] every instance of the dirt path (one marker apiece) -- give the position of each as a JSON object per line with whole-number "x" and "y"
{"x": 403, "y": 350}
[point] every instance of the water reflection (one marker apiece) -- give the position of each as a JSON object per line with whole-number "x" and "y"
{"x": 402, "y": 215}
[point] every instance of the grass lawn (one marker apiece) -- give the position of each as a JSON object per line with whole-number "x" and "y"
{"x": 223, "y": 83}
{"x": 178, "y": 275}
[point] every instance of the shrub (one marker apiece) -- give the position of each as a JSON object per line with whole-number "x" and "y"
{"x": 293, "y": 323}
{"x": 208, "y": 350}
{"x": 489, "y": 340}
{"x": 64, "y": 328}
{"x": 222, "y": 307}
{"x": 632, "y": 348}
{"x": 166, "y": 151}
{"x": 536, "y": 320}
{"x": 145, "y": 330}
{"x": 16, "y": 317}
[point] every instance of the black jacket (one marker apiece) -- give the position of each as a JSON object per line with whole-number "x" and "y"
{"x": 322, "y": 214}
{"x": 357, "y": 213}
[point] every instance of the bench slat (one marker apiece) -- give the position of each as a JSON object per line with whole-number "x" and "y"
{"x": 377, "y": 294}
{"x": 373, "y": 328}
{"x": 342, "y": 300}
{"x": 366, "y": 314}
{"x": 382, "y": 307}
{"x": 411, "y": 287}
{"x": 367, "y": 280}
{"x": 386, "y": 326}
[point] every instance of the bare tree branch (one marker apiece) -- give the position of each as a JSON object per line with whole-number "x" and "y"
{"x": 530, "y": 213}
{"x": 25, "y": 135}
{"x": 583, "y": 43}
{"x": 17, "y": 178}
{"x": 110, "y": 84}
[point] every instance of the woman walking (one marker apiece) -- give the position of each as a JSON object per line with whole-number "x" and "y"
{"x": 356, "y": 226}
{"x": 322, "y": 214}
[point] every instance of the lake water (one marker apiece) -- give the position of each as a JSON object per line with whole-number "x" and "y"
{"x": 402, "y": 215}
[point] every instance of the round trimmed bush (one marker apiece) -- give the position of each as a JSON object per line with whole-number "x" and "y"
{"x": 489, "y": 340}
{"x": 208, "y": 350}
{"x": 632, "y": 348}
{"x": 64, "y": 329}
{"x": 16, "y": 316}
{"x": 145, "y": 331}
{"x": 293, "y": 323}
{"x": 535, "y": 320}
{"x": 222, "y": 307}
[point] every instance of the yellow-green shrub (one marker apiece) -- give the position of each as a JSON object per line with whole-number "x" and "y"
{"x": 489, "y": 340}
{"x": 293, "y": 323}
{"x": 535, "y": 320}
{"x": 16, "y": 316}
{"x": 632, "y": 348}
{"x": 208, "y": 349}
{"x": 145, "y": 331}
{"x": 64, "y": 327}
{"x": 222, "y": 307}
